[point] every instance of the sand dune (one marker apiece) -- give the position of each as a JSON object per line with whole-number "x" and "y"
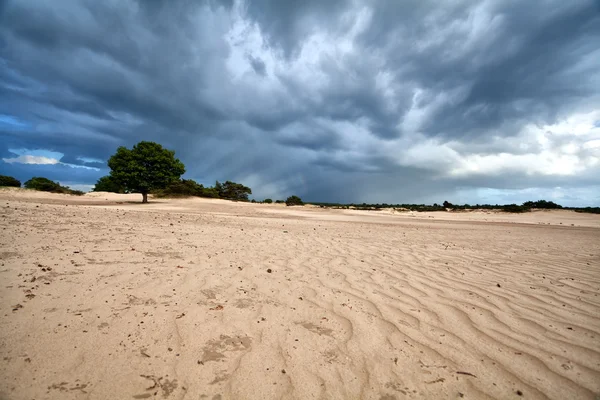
{"x": 209, "y": 299}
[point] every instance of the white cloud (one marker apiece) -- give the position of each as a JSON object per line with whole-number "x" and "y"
{"x": 25, "y": 156}
{"x": 88, "y": 160}
{"x": 29, "y": 159}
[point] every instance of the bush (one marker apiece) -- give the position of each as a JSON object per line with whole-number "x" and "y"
{"x": 181, "y": 188}
{"x": 233, "y": 191}
{"x": 447, "y": 204}
{"x": 294, "y": 201}
{"x": 513, "y": 208}
{"x": 46, "y": 185}
{"x": 108, "y": 184}
{"x": 267, "y": 201}
{"x": 279, "y": 201}
{"x": 542, "y": 204}
{"x": 42, "y": 184}
{"x": 9, "y": 181}
{"x": 210, "y": 192}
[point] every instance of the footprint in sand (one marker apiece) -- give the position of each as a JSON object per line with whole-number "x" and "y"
{"x": 215, "y": 349}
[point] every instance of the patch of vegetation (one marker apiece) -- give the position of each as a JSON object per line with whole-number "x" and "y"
{"x": 108, "y": 184}
{"x": 9, "y": 181}
{"x": 190, "y": 188}
{"x": 513, "y": 208}
{"x": 446, "y": 205}
{"x": 180, "y": 188}
{"x": 542, "y": 204}
{"x": 46, "y": 185}
{"x": 590, "y": 210}
{"x": 268, "y": 201}
{"x": 294, "y": 201}
{"x": 232, "y": 191}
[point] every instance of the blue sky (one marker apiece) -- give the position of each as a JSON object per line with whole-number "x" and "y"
{"x": 488, "y": 101}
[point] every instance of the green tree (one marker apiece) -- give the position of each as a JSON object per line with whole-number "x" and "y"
{"x": 268, "y": 201}
{"x": 108, "y": 184}
{"x": 183, "y": 187}
{"x": 42, "y": 184}
{"x": 542, "y": 204}
{"x": 447, "y": 204}
{"x": 9, "y": 181}
{"x": 210, "y": 192}
{"x": 146, "y": 167}
{"x": 294, "y": 201}
{"x": 233, "y": 191}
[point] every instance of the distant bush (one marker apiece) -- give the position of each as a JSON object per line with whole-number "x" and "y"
{"x": 590, "y": 210}
{"x": 42, "y": 184}
{"x": 9, "y": 181}
{"x": 267, "y": 201}
{"x": 513, "y": 208}
{"x": 108, "y": 184}
{"x": 232, "y": 191}
{"x": 210, "y": 192}
{"x": 181, "y": 188}
{"x": 294, "y": 201}
{"x": 542, "y": 204}
{"x": 46, "y": 185}
{"x": 279, "y": 201}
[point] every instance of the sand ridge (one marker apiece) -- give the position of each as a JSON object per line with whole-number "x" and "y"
{"x": 175, "y": 301}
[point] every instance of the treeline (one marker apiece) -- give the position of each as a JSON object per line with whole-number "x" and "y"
{"x": 39, "y": 183}
{"x": 227, "y": 190}
{"x": 184, "y": 188}
{"x": 447, "y": 206}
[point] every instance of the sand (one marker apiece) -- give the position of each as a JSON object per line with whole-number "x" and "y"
{"x": 207, "y": 299}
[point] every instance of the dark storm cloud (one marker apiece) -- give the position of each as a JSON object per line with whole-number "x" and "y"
{"x": 257, "y": 65}
{"x": 333, "y": 100}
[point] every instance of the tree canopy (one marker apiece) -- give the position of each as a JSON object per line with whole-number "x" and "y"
{"x": 544, "y": 204}
{"x": 42, "y": 184}
{"x": 233, "y": 191}
{"x": 294, "y": 201}
{"x": 9, "y": 181}
{"x": 146, "y": 167}
{"x": 108, "y": 184}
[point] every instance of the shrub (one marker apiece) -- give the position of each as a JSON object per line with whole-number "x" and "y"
{"x": 294, "y": 201}
{"x": 513, "y": 208}
{"x": 9, "y": 181}
{"x": 42, "y": 184}
{"x": 233, "y": 191}
{"x": 279, "y": 201}
{"x": 46, "y": 185}
{"x": 447, "y": 204}
{"x": 210, "y": 192}
{"x": 180, "y": 188}
{"x": 542, "y": 204}
{"x": 268, "y": 201}
{"x": 108, "y": 184}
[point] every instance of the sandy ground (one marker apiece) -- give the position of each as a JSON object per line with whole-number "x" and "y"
{"x": 206, "y": 299}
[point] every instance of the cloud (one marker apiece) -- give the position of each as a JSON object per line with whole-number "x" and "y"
{"x": 342, "y": 100}
{"x": 47, "y": 157}
{"x": 28, "y": 159}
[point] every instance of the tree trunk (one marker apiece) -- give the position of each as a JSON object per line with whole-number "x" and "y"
{"x": 144, "y": 197}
